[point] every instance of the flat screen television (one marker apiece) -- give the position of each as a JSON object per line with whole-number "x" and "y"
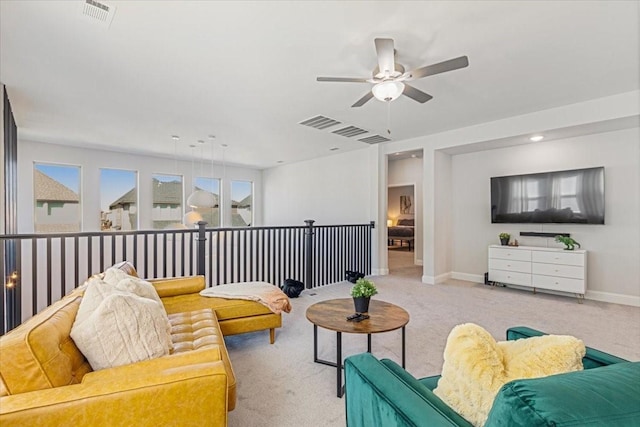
{"x": 571, "y": 196}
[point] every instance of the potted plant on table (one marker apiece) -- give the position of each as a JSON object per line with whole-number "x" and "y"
{"x": 362, "y": 292}
{"x": 504, "y": 238}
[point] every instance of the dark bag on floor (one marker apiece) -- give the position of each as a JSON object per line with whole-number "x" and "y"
{"x": 353, "y": 276}
{"x": 292, "y": 288}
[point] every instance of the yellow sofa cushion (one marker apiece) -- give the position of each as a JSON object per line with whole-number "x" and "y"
{"x": 476, "y": 366}
{"x": 197, "y": 330}
{"x": 40, "y": 354}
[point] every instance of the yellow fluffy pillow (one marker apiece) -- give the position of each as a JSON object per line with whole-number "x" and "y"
{"x": 476, "y": 366}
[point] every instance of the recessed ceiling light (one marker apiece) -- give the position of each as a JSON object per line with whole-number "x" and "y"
{"x": 536, "y": 138}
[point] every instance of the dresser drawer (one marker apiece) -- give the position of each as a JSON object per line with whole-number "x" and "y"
{"x": 509, "y": 265}
{"x": 563, "y": 284}
{"x": 553, "y": 257}
{"x": 570, "y": 271}
{"x": 512, "y": 277}
{"x": 506, "y": 253}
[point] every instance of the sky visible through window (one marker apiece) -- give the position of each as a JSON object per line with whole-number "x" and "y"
{"x": 114, "y": 183}
{"x": 240, "y": 190}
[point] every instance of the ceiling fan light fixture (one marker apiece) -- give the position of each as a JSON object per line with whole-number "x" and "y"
{"x": 388, "y": 91}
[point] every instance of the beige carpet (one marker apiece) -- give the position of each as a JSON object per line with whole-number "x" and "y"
{"x": 280, "y": 385}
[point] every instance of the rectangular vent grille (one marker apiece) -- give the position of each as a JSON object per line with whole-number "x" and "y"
{"x": 320, "y": 122}
{"x": 349, "y": 131}
{"x": 375, "y": 139}
{"x": 96, "y": 11}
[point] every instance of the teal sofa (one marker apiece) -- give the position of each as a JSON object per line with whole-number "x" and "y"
{"x": 379, "y": 393}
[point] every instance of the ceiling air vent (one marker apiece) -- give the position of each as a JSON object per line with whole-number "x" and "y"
{"x": 375, "y": 139}
{"x": 97, "y": 12}
{"x": 349, "y": 131}
{"x": 320, "y": 122}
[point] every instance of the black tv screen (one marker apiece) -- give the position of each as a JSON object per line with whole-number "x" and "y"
{"x": 572, "y": 196}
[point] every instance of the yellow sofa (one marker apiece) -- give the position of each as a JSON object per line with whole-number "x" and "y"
{"x": 45, "y": 379}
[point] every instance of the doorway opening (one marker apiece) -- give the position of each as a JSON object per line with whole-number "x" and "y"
{"x": 404, "y": 208}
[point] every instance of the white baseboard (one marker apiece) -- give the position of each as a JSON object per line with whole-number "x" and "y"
{"x": 419, "y": 262}
{"x": 614, "y": 298}
{"x": 476, "y": 278}
{"x": 590, "y": 295}
{"x": 431, "y": 280}
{"x": 380, "y": 272}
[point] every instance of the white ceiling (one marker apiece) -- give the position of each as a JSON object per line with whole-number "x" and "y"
{"x": 246, "y": 71}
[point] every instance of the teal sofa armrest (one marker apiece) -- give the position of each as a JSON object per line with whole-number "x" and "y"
{"x": 376, "y": 396}
{"x": 604, "y": 396}
{"x": 592, "y": 359}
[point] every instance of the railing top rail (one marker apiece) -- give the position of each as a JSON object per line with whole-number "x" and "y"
{"x": 159, "y": 232}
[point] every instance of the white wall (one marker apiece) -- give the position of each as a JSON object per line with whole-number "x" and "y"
{"x": 614, "y": 248}
{"x": 393, "y": 201}
{"x": 91, "y": 161}
{"x": 331, "y": 190}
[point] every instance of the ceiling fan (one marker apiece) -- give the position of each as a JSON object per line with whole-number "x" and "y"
{"x": 389, "y": 77}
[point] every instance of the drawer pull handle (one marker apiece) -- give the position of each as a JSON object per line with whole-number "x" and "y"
{"x": 508, "y": 265}
{"x": 557, "y": 283}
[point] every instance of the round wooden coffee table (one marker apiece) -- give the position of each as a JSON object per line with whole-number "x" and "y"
{"x": 332, "y": 314}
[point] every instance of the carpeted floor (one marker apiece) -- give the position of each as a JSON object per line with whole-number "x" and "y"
{"x": 280, "y": 385}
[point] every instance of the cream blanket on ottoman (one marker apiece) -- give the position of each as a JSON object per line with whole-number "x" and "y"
{"x": 265, "y": 293}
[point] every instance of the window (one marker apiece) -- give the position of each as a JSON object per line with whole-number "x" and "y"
{"x": 56, "y": 190}
{"x": 118, "y": 200}
{"x": 167, "y": 201}
{"x": 241, "y": 203}
{"x": 210, "y": 215}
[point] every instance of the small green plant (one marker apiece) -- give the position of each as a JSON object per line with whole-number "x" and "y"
{"x": 363, "y": 288}
{"x": 504, "y": 236}
{"x": 569, "y": 243}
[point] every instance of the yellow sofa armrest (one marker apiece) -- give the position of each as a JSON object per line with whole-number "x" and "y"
{"x": 173, "y": 286}
{"x": 182, "y": 389}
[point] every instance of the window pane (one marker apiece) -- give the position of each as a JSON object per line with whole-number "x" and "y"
{"x": 118, "y": 200}
{"x": 212, "y": 186}
{"x": 57, "y": 198}
{"x": 167, "y": 201}
{"x": 241, "y": 203}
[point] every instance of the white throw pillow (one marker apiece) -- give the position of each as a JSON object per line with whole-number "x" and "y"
{"x": 125, "y": 328}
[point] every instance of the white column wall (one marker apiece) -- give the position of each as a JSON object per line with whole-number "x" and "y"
{"x": 331, "y": 190}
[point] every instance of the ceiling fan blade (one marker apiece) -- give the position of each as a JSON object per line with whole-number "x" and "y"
{"x": 360, "y": 102}
{"x": 384, "y": 49}
{"x": 341, "y": 79}
{"x": 441, "y": 67}
{"x": 416, "y": 94}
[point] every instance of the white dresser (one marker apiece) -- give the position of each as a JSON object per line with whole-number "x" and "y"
{"x": 539, "y": 268}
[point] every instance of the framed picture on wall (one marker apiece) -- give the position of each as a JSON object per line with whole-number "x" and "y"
{"x": 406, "y": 206}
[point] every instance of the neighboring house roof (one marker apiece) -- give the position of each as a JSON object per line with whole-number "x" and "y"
{"x": 246, "y": 202}
{"x": 127, "y": 198}
{"x": 167, "y": 192}
{"x": 48, "y": 189}
{"x": 216, "y": 198}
